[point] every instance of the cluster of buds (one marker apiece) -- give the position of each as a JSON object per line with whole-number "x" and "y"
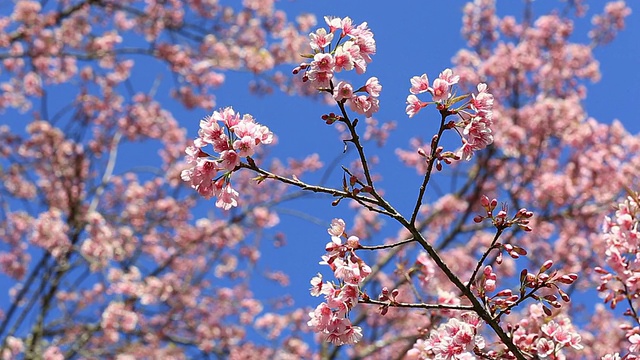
{"x": 233, "y": 137}
{"x": 501, "y": 300}
{"x": 505, "y": 300}
{"x": 330, "y": 318}
{"x": 439, "y": 155}
{"x": 475, "y": 114}
{"x": 330, "y": 118}
{"x": 546, "y": 280}
{"x": 501, "y": 220}
{"x": 389, "y": 297}
{"x": 355, "y": 186}
{"x": 352, "y": 51}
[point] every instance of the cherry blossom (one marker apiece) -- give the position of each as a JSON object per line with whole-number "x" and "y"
{"x": 476, "y": 116}
{"x": 245, "y": 137}
{"x": 330, "y": 318}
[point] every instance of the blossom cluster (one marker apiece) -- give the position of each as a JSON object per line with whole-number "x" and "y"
{"x": 353, "y": 49}
{"x": 233, "y": 137}
{"x": 620, "y": 282}
{"x": 475, "y": 116}
{"x": 455, "y": 339}
{"x": 535, "y": 333}
{"x": 330, "y": 318}
{"x": 622, "y": 239}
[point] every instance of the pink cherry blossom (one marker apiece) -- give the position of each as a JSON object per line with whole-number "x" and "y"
{"x": 441, "y": 90}
{"x": 333, "y": 22}
{"x": 323, "y": 63}
{"x": 373, "y": 87}
{"x": 227, "y": 198}
{"x": 419, "y": 84}
{"x": 362, "y": 104}
{"x": 320, "y": 39}
{"x": 232, "y": 136}
{"x": 343, "y": 91}
{"x": 331, "y": 317}
{"x": 414, "y": 105}
{"x": 343, "y": 60}
{"x": 447, "y": 75}
{"x": 337, "y": 227}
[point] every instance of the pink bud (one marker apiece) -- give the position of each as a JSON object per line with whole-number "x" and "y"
{"x": 568, "y": 279}
{"x": 600, "y": 270}
{"x": 494, "y": 203}
{"x": 523, "y": 274}
{"x": 394, "y": 293}
{"x": 546, "y": 266}
{"x": 487, "y": 270}
{"x": 564, "y": 296}
{"x": 484, "y": 200}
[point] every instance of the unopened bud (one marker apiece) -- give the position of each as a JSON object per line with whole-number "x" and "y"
{"x": 600, "y": 270}
{"x": 546, "y": 266}
{"x": 564, "y": 296}
{"x": 568, "y": 279}
{"x": 494, "y": 203}
{"x": 506, "y": 292}
{"x": 484, "y": 200}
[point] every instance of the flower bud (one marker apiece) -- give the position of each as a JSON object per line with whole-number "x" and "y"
{"x": 546, "y": 266}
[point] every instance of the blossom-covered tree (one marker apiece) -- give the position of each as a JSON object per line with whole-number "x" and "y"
{"x": 108, "y": 263}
